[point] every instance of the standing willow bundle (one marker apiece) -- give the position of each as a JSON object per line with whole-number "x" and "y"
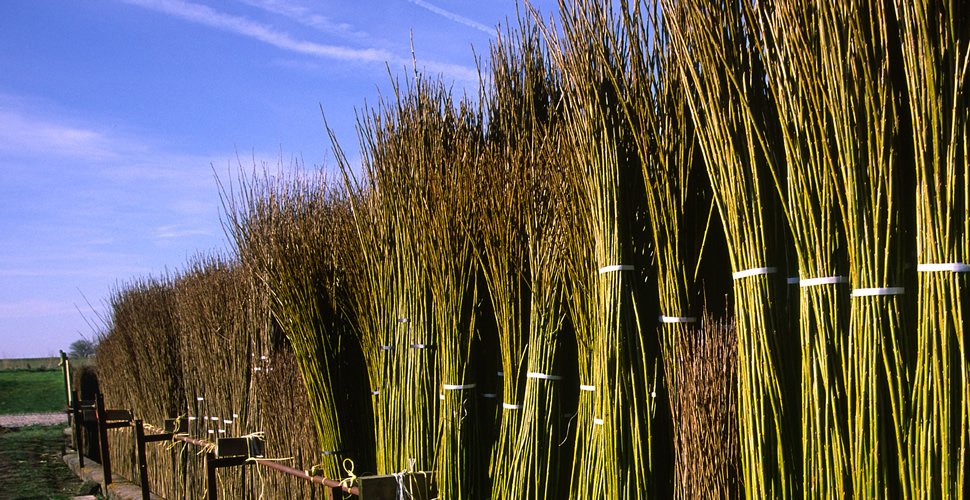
{"x": 522, "y": 244}
{"x": 217, "y": 330}
{"x": 792, "y": 48}
{"x": 676, "y": 199}
{"x": 607, "y": 177}
{"x": 366, "y": 246}
{"x": 284, "y": 232}
{"x": 725, "y": 83}
{"x": 862, "y": 101}
{"x": 440, "y": 144}
{"x": 705, "y": 404}
{"x": 935, "y": 39}
{"x": 139, "y": 366}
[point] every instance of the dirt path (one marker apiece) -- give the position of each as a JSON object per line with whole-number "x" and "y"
{"x": 33, "y": 419}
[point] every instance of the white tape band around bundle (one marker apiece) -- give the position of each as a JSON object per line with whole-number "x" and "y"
{"x": 616, "y": 267}
{"x": 875, "y": 292}
{"x": 677, "y": 319}
{"x": 387, "y": 347}
{"x": 828, "y": 280}
{"x": 542, "y": 376}
{"x": 199, "y": 398}
{"x": 597, "y": 421}
{"x": 793, "y": 280}
{"x": 374, "y": 393}
{"x": 461, "y": 387}
{"x": 226, "y": 421}
{"x": 489, "y": 395}
{"x": 587, "y": 388}
{"x": 757, "y": 271}
{"x": 510, "y": 406}
{"x": 953, "y": 267}
{"x": 421, "y": 346}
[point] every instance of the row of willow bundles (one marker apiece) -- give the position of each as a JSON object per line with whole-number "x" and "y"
{"x": 509, "y": 290}
{"x": 200, "y": 347}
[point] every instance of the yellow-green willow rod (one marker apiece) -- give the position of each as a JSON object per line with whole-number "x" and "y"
{"x": 607, "y": 177}
{"x": 791, "y": 47}
{"x": 935, "y": 41}
{"x": 861, "y": 99}
{"x": 676, "y": 201}
{"x": 718, "y": 62}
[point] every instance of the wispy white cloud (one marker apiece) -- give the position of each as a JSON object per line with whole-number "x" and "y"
{"x": 176, "y": 231}
{"x": 309, "y": 18}
{"x": 25, "y": 135}
{"x": 207, "y": 16}
{"x": 458, "y": 18}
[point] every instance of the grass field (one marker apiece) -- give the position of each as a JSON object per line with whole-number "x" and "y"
{"x": 33, "y": 391}
{"x": 31, "y": 465}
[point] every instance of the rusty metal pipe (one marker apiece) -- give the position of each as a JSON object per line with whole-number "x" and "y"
{"x": 330, "y": 483}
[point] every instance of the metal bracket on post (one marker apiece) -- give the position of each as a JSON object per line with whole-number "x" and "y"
{"x": 211, "y": 464}
{"x": 108, "y": 419}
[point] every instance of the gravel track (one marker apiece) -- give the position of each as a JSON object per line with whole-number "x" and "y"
{"x": 33, "y": 419}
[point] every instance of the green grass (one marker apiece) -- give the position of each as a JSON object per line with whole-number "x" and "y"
{"x": 23, "y": 391}
{"x": 31, "y": 465}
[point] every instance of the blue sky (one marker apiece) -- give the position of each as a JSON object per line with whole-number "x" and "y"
{"x": 114, "y": 114}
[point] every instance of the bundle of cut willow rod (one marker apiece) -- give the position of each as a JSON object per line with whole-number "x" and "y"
{"x": 219, "y": 327}
{"x": 677, "y": 203}
{"x": 792, "y": 49}
{"x": 935, "y": 41}
{"x": 607, "y": 177}
{"x": 861, "y": 98}
{"x": 446, "y": 145}
{"x": 389, "y": 204}
{"x": 521, "y": 254}
{"x": 729, "y": 103}
{"x": 283, "y": 229}
{"x": 705, "y": 405}
{"x": 367, "y": 250}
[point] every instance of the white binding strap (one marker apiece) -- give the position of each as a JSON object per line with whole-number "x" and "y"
{"x": 793, "y": 280}
{"x": 489, "y": 395}
{"x": 542, "y": 376}
{"x": 597, "y": 421}
{"x": 461, "y": 387}
{"x": 441, "y": 397}
{"x": 387, "y": 347}
{"x": 587, "y": 388}
{"x": 615, "y": 267}
{"x": 757, "y": 271}
{"x": 226, "y": 421}
{"x": 828, "y": 280}
{"x": 374, "y": 393}
{"x": 875, "y": 292}
{"x": 677, "y": 319}
{"x": 953, "y": 267}
{"x": 421, "y": 346}
{"x": 500, "y": 374}
{"x": 510, "y": 406}
{"x": 199, "y": 398}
